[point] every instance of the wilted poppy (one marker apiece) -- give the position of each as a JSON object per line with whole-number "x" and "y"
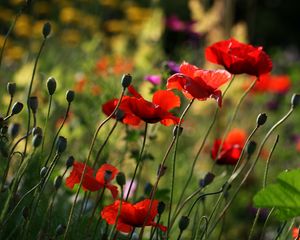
{"x": 131, "y": 215}
{"x": 197, "y": 83}
{"x": 104, "y": 175}
{"x": 238, "y": 58}
{"x": 231, "y": 148}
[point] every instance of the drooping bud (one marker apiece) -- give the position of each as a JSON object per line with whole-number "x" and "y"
{"x": 126, "y": 80}
{"x": 46, "y": 29}
{"x": 57, "y": 182}
{"x": 51, "y": 85}
{"x": 251, "y": 147}
{"x": 16, "y": 108}
{"x": 37, "y": 130}
{"x": 208, "y": 179}
{"x": 37, "y": 140}
{"x": 161, "y": 207}
{"x": 175, "y": 131}
{"x": 70, "y": 95}
{"x": 184, "y": 223}
{"x": 60, "y": 230}
{"x": 43, "y": 172}
{"x": 11, "y": 88}
{"x": 295, "y": 100}
{"x": 121, "y": 179}
{"x": 33, "y": 104}
{"x": 70, "y": 161}
{"x": 61, "y": 144}
{"x": 13, "y": 129}
{"x": 261, "y": 119}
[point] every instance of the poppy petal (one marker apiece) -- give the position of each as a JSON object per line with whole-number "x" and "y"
{"x": 167, "y": 100}
{"x": 214, "y": 79}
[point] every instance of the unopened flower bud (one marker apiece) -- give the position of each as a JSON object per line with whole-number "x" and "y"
{"x": 70, "y": 161}
{"x": 184, "y": 223}
{"x": 51, "y": 85}
{"x": 16, "y": 108}
{"x": 37, "y": 130}
{"x": 161, "y": 207}
{"x": 11, "y": 88}
{"x": 107, "y": 176}
{"x": 126, "y": 80}
{"x": 119, "y": 115}
{"x": 121, "y": 180}
{"x": 60, "y": 230}
{"x": 57, "y": 182}
{"x": 33, "y": 104}
{"x": 251, "y": 147}
{"x": 37, "y": 140}
{"x": 148, "y": 188}
{"x": 261, "y": 119}
{"x": 25, "y": 213}
{"x": 175, "y": 131}
{"x": 43, "y": 172}
{"x": 161, "y": 170}
{"x": 13, "y": 130}
{"x": 61, "y": 144}
{"x": 46, "y": 29}
{"x": 70, "y": 95}
{"x": 208, "y": 179}
{"x": 295, "y": 100}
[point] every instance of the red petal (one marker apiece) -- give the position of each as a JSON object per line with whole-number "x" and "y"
{"x": 134, "y": 92}
{"x": 167, "y": 100}
{"x": 212, "y": 78}
{"x": 176, "y": 81}
{"x": 114, "y": 190}
{"x": 101, "y": 172}
{"x": 236, "y": 136}
{"x": 188, "y": 69}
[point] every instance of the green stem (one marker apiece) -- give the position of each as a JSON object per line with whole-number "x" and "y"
{"x": 46, "y": 123}
{"x": 265, "y": 224}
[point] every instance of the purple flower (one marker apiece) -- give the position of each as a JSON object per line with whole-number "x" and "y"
{"x": 154, "y": 79}
{"x": 173, "y": 67}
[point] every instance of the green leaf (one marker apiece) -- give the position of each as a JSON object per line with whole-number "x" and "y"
{"x": 283, "y": 196}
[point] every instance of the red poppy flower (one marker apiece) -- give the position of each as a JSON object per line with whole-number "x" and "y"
{"x": 231, "y": 149}
{"x": 131, "y": 215}
{"x": 295, "y": 233}
{"x": 273, "y": 84}
{"x": 239, "y": 58}
{"x": 104, "y": 175}
{"x": 197, "y": 83}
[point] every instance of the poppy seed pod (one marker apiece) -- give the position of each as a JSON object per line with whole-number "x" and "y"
{"x": 261, "y": 119}
{"x": 37, "y": 130}
{"x": 43, "y": 172}
{"x": 184, "y": 223}
{"x": 11, "y": 88}
{"x": 51, "y": 85}
{"x": 46, "y": 29}
{"x": 295, "y": 100}
{"x": 33, "y": 104}
{"x": 60, "y": 230}
{"x": 16, "y": 108}
{"x": 70, "y": 161}
{"x": 70, "y": 95}
{"x": 121, "y": 180}
{"x": 208, "y": 179}
{"x": 57, "y": 182}
{"x": 175, "y": 129}
{"x": 126, "y": 80}
{"x": 61, "y": 144}
{"x": 13, "y": 129}
{"x": 37, "y": 140}
{"x": 161, "y": 207}
{"x": 251, "y": 146}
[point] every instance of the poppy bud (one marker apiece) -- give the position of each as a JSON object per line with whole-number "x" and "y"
{"x": 184, "y": 223}
{"x": 161, "y": 207}
{"x": 46, "y": 29}
{"x": 13, "y": 130}
{"x": 33, "y": 104}
{"x": 121, "y": 180}
{"x": 43, "y": 172}
{"x": 208, "y": 179}
{"x": 25, "y": 213}
{"x": 37, "y": 140}
{"x": 175, "y": 129}
{"x": 261, "y": 119}
{"x": 61, "y": 144}
{"x": 16, "y": 108}
{"x": 251, "y": 146}
{"x": 57, "y": 182}
{"x": 11, "y": 88}
{"x": 37, "y": 130}
{"x": 4, "y": 129}
{"x": 107, "y": 176}
{"x": 119, "y": 115}
{"x": 51, "y": 85}
{"x": 295, "y": 101}
{"x": 126, "y": 80}
{"x": 60, "y": 230}
{"x": 161, "y": 170}
{"x": 148, "y": 188}
{"x": 70, "y": 95}
{"x": 70, "y": 161}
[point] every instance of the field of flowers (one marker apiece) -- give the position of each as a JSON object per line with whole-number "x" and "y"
{"x": 126, "y": 120}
